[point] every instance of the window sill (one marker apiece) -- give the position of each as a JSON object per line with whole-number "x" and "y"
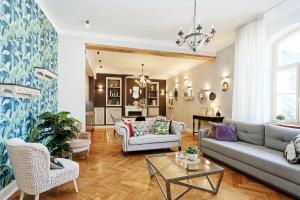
{"x": 288, "y": 125}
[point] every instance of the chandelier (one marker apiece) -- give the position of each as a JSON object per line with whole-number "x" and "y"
{"x": 196, "y": 38}
{"x": 141, "y": 79}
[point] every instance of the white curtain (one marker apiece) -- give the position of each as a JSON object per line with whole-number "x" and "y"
{"x": 252, "y": 92}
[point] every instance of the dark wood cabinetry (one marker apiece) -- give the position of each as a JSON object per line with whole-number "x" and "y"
{"x": 110, "y": 91}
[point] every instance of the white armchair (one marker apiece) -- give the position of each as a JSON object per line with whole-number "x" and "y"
{"x": 81, "y": 142}
{"x": 31, "y": 166}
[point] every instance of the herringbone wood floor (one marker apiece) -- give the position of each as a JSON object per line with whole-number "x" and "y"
{"x": 107, "y": 174}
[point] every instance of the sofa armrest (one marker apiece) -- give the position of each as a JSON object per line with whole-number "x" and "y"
{"x": 177, "y": 127}
{"x": 123, "y": 130}
{"x": 203, "y": 132}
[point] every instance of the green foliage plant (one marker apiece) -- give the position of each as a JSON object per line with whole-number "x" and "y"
{"x": 280, "y": 117}
{"x": 191, "y": 150}
{"x": 55, "y": 130}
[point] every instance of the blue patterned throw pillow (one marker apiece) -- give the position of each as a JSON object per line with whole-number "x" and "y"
{"x": 162, "y": 127}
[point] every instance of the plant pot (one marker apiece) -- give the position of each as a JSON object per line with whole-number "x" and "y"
{"x": 192, "y": 157}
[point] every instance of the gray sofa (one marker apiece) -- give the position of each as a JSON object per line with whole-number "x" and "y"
{"x": 258, "y": 153}
{"x": 150, "y": 141}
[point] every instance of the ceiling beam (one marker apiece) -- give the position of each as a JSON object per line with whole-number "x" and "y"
{"x": 148, "y": 52}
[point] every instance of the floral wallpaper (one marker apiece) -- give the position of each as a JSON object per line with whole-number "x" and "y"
{"x": 27, "y": 40}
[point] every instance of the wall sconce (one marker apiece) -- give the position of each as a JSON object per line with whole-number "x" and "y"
{"x": 176, "y": 84}
{"x": 190, "y": 91}
{"x": 225, "y": 86}
{"x": 130, "y": 91}
{"x": 170, "y": 106}
{"x": 100, "y": 88}
{"x": 185, "y": 81}
{"x": 162, "y": 92}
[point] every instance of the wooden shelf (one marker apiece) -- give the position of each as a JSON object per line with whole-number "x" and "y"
{"x": 113, "y": 91}
{"x": 153, "y": 90}
{"x": 45, "y": 74}
{"x": 16, "y": 90}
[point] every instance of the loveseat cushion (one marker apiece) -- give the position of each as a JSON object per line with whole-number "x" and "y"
{"x": 147, "y": 127}
{"x": 261, "y": 157}
{"x": 162, "y": 127}
{"x": 151, "y": 138}
{"x": 137, "y": 128}
{"x": 278, "y": 137}
{"x": 247, "y": 132}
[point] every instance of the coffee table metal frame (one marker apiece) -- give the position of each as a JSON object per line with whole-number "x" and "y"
{"x": 154, "y": 173}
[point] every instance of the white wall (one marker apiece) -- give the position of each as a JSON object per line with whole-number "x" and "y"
{"x": 205, "y": 76}
{"x": 72, "y": 69}
{"x": 71, "y": 80}
{"x": 282, "y": 19}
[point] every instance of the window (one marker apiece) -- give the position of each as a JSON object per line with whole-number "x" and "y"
{"x": 287, "y": 78}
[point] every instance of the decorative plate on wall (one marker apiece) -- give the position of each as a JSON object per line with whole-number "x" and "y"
{"x": 202, "y": 97}
{"x": 212, "y": 96}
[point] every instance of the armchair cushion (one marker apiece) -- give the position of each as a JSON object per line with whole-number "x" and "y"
{"x": 55, "y": 164}
{"x": 152, "y": 138}
{"x": 83, "y": 135}
{"x": 79, "y": 143}
{"x": 68, "y": 173}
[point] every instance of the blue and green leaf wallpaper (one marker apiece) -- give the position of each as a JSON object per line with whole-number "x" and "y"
{"x": 27, "y": 40}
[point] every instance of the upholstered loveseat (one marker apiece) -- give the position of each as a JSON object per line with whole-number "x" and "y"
{"x": 258, "y": 152}
{"x": 150, "y": 140}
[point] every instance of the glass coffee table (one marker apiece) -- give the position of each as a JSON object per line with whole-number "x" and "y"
{"x": 174, "y": 168}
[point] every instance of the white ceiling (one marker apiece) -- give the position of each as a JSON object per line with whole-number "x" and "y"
{"x": 157, "y": 67}
{"x": 153, "y": 24}
{"x": 153, "y": 21}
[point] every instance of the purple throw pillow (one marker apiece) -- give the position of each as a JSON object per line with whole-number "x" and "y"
{"x": 226, "y": 133}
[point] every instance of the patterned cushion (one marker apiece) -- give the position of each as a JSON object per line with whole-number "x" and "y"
{"x": 55, "y": 164}
{"x": 162, "y": 127}
{"x": 149, "y": 126}
{"x": 130, "y": 129}
{"x": 137, "y": 128}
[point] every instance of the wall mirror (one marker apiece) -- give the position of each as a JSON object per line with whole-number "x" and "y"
{"x": 133, "y": 92}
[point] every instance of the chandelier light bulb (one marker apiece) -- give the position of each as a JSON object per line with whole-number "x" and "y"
{"x": 196, "y": 37}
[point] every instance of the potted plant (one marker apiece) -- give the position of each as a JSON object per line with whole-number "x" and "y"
{"x": 192, "y": 153}
{"x": 55, "y": 129}
{"x": 280, "y": 117}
